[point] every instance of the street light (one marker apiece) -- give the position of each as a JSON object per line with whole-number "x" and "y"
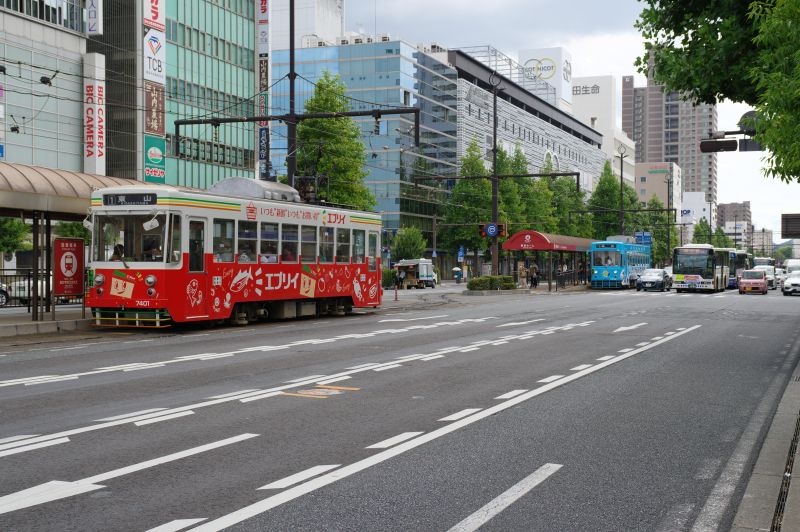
{"x": 621, "y": 154}
{"x": 668, "y": 181}
{"x": 494, "y": 81}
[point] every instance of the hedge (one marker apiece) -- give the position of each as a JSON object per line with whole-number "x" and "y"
{"x": 388, "y": 277}
{"x": 491, "y": 282}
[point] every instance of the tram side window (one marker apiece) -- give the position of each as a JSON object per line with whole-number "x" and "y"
{"x": 343, "y": 245}
{"x": 247, "y": 241}
{"x": 269, "y": 242}
{"x": 196, "y": 245}
{"x": 289, "y": 239}
{"x": 372, "y": 251}
{"x": 174, "y": 252}
{"x": 223, "y": 240}
{"x": 359, "y": 245}
{"x": 325, "y": 245}
{"x": 308, "y": 244}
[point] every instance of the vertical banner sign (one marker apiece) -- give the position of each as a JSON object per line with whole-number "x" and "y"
{"x": 154, "y": 14}
{"x": 262, "y": 8}
{"x": 94, "y": 17}
{"x": 154, "y": 108}
{"x": 68, "y": 266}
{"x": 154, "y": 159}
{"x": 94, "y": 114}
{"x": 155, "y": 57}
{"x": 262, "y": 102}
{"x": 2, "y": 121}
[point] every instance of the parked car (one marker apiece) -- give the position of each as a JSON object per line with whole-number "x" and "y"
{"x": 654, "y": 279}
{"x": 772, "y": 283}
{"x": 753, "y": 281}
{"x": 4, "y": 297}
{"x": 791, "y": 285}
{"x": 21, "y": 290}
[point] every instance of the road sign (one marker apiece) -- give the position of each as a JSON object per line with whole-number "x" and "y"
{"x": 643, "y": 237}
{"x": 715, "y": 145}
{"x": 433, "y": 254}
{"x": 460, "y": 253}
{"x": 491, "y": 230}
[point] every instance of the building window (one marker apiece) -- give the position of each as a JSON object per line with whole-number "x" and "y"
{"x": 643, "y": 179}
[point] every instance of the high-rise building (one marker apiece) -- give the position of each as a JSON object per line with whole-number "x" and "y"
{"x": 734, "y": 212}
{"x": 594, "y": 102}
{"x": 42, "y": 53}
{"x": 668, "y": 129}
{"x": 171, "y": 60}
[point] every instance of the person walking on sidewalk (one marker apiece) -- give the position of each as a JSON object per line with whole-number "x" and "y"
{"x": 533, "y": 276}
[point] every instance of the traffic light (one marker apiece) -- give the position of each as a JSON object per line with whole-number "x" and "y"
{"x": 715, "y": 145}
{"x": 502, "y": 230}
{"x": 482, "y": 229}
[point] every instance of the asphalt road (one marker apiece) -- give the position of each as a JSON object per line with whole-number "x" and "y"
{"x": 578, "y": 411}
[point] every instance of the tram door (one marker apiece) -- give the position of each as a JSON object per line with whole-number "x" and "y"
{"x": 197, "y": 283}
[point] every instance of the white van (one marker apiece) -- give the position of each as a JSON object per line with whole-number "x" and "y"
{"x": 791, "y": 265}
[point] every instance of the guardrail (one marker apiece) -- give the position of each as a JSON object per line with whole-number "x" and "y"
{"x": 16, "y": 289}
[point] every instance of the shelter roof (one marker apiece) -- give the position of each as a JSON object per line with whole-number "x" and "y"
{"x": 536, "y": 241}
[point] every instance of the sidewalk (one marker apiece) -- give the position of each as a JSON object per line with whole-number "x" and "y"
{"x": 772, "y": 498}
{"x": 17, "y": 322}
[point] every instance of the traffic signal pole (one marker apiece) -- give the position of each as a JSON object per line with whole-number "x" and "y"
{"x": 495, "y": 82}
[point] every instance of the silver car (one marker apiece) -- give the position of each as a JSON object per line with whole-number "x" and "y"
{"x": 791, "y": 285}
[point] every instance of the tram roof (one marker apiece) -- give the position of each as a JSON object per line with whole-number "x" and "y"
{"x": 65, "y": 195}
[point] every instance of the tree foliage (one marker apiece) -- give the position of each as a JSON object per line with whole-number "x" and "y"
{"x": 73, "y": 230}
{"x": 331, "y": 148}
{"x": 733, "y": 49}
{"x": 656, "y": 222}
{"x": 12, "y": 234}
{"x": 470, "y": 204}
{"x": 408, "y": 243}
{"x": 702, "y": 232}
{"x": 721, "y": 240}
{"x": 604, "y": 203}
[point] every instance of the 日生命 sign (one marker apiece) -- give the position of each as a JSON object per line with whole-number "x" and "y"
{"x": 68, "y": 270}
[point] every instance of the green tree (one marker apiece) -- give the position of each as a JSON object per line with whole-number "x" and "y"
{"x": 408, "y": 243}
{"x": 604, "y": 203}
{"x": 12, "y": 234}
{"x": 510, "y": 206}
{"x": 732, "y": 49}
{"x": 721, "y": 240}
{"x": 470, "y": 204}
{"x": 656, "y": 222}
{"x": 73, "y": 230}
{"x": 331, "y": 148}
{"x": 702, "y": 231}
{"x": 783, "y": 253}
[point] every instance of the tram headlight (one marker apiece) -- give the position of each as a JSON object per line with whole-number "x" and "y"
{"x": 150, "y": 280}
{"x": 594, "y": 272}
{"x": 99, "y": 279}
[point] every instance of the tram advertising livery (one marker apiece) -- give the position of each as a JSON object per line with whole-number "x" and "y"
{"x": 241, "y": 251}
{"x": 618, "y": 262}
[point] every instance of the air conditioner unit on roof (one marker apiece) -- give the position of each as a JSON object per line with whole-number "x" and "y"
{"x": 344, "y": 41}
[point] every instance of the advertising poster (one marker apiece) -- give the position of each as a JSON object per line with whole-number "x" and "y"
{"x": 155, "y": 159}
{"x": 155, "y": 57}
{"x": 154, "y": 14}
{"x": 68, "y": 266}
{"x": 154, "y": 108}
{"x": 94, "y": 114}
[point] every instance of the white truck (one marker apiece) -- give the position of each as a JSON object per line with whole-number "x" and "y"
{"x": 417, "y": 273}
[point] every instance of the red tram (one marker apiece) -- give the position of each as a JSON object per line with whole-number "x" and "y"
{"x": 241, "y": 251}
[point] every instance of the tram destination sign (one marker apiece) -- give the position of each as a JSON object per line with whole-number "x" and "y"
{"x": 125, "y": 200}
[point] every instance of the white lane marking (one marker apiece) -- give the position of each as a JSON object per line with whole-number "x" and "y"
{"x": 509, "y": 395}
{"x": 458, "y": 415}
{"x": 680, "y": 329}
{"x": 136, "y": 341}
{"x": 390, "y": 366}
{"x": 394, "y": 440}
{"x": 164, "y": 418}
{"x": 505, "y": 499}
{"x": 51, "y": 379}
{"x": 337, "y": 379}
{"x": 310, "y": 377}
{"x": 15, "y": 438}
{"x": 299, "y": 477}
{"x": 223, "y": 396}
{"x": 361, "y": 366}
{"x": 670, "y": 333}
{"x": 34, "y": 446}
{"x": 468, "y": 349}
{"x": 551, "y": 378}
{"x": 176, "y": 525}
{"x": 264, "y": 505}
{"x": 654, "y": 338}
{"x": 56, "y": 489}
{"x": 433, "y": 357}
{"x": 414, "y": 319}
{"x": 642, "y": 344}
{"x": 132, "y": 414}
{"x": 609, "y": 357}
{"x": 630, "y": 327}
{"x": 257, "y": 397}
{"x": 515, "y": 323}
{"x": 581, "y": 367}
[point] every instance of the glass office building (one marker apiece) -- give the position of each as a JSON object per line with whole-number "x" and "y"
{"x": 385, "y": 74}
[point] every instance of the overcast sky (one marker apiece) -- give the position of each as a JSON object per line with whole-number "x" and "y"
{"x": 602, "y": 40}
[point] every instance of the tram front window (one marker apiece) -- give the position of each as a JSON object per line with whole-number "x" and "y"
{"x": 129, "y": 237}
{"x": 606, "y": 258}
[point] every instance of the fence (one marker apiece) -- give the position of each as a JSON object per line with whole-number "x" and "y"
{"x": 16, "y": 289}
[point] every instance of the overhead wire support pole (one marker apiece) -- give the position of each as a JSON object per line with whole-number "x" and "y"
{"x": 494, "y": 80}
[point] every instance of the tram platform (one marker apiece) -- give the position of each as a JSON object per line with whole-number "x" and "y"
{"x": 17, "y": 322}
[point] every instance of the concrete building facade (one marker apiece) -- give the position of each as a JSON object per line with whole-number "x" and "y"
{"x": 694, "y": 208}
{"x": 315, "y": 21}
{"x": 662, "y": 180}
{"x": 734, "y": 213}
{"x": 763, "y": 243}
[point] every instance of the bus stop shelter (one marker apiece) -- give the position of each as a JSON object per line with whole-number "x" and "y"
{"x": 44, "y": 195}
{"x": 565, "y": 259}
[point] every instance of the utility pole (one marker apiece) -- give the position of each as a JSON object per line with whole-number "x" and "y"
{"x": 621, "y": 150}
{"x": 669, "y": 216}
{"x": 291, "y": 153}
{"x": 494, "y": 80}
{"x": 710, "y": 228}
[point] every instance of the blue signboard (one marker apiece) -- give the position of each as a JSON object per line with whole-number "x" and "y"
{"x": 2, "y": 151}
{"x": 643, "y": 237}
{"x": 263, "y": 143}
{"x": 460, "y": 253}
{"x": 491, "y": 229}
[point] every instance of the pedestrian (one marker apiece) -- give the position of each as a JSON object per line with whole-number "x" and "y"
{"x": 401, "y": 277}
{"x": 522, "y": 276}
{"x": 534, "y": 276}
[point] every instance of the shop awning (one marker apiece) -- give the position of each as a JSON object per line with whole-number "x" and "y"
{"x": 536, "y": 241}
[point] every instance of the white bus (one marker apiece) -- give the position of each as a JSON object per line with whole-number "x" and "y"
{"x": 700, "y": 267}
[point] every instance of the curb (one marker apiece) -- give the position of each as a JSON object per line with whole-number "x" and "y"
{"x": 521, "y": 291}
{"x": 759, "y": 503}
{"x": 43, "y": 327}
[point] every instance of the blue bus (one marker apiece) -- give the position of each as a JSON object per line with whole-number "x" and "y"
{"x": 618, "y": 264}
